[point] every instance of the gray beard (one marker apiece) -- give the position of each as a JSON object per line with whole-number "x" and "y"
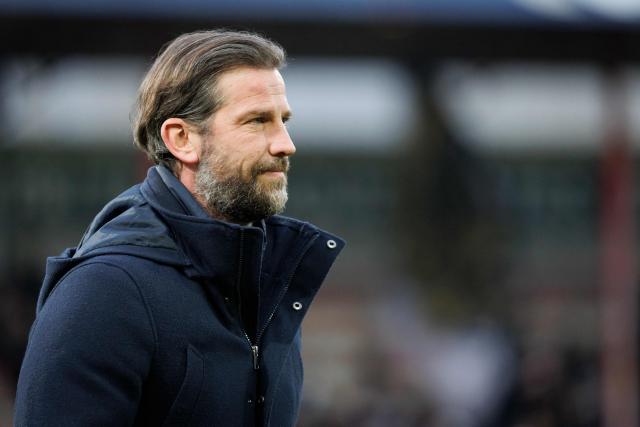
{"x": 233, "y": 199}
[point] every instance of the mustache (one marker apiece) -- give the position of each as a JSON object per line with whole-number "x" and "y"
{"x": 279, "y": 164}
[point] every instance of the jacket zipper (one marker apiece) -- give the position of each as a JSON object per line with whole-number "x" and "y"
{"x": 286, "y": 286}
{"x": 254, "y": 347}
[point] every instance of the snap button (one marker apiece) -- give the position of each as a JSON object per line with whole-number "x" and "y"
{"x": 297, "y": 305}
{"x": 250, "y": 401}
{"x": 261, "y": 399}
{"x": 331, "y": 244}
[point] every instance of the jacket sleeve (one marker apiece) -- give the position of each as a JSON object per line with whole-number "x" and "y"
{"x": 89, "y": 352}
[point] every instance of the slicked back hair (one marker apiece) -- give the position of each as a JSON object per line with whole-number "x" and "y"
{"x": 182, "y": 81}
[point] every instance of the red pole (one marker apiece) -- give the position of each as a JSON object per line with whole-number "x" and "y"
{"x": 618, "y": 263}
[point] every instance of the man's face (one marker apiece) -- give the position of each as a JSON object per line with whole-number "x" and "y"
{"x": 242, "y": 175}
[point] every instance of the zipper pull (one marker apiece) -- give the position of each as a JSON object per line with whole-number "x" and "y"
{"x": 254, "y": 350}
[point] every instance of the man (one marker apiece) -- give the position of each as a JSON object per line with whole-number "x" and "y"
{"x": 182, "y": 303}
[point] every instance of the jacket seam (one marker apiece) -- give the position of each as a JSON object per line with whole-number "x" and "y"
{"x": 144, "y": 303}
{"x": 277, "y": 383}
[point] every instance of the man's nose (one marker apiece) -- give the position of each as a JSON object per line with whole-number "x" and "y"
{"x": 281, "y": 144}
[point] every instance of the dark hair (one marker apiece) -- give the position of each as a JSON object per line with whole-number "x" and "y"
{"x": 182, "y": 82}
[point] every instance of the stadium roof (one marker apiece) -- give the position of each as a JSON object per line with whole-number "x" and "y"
{"x": 508, "y": 12}
{"x": 416, "y": 31}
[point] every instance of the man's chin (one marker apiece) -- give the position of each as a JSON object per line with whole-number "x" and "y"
{"x": 271, "y": 182}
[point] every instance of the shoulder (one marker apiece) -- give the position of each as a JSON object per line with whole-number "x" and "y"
{"x": 97, "y": 292}
{"x": 94, "y": 306}
{"x": 96, "y": 276}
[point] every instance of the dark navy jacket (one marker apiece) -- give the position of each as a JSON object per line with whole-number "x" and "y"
{"x": 142, "y": 324}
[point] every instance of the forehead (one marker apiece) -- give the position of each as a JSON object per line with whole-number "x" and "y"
{"x": 243, "y": 87}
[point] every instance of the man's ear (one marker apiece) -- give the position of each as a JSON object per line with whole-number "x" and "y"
{"x": 182, "y": 141}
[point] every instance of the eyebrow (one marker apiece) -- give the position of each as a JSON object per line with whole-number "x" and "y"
{"x": 265, "y": 113}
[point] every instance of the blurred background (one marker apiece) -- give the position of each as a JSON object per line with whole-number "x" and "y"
{"x": 478, "y": 157}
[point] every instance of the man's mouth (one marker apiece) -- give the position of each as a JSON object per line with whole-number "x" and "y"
{"x": 278, "y": 169}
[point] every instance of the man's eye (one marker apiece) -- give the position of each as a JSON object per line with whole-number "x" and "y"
{"x": 258, "y": 120}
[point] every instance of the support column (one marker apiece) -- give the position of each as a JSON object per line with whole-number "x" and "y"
{"x": 619, "y": 295}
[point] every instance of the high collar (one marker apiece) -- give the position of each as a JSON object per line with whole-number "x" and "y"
{"x": 213, "y": 247}
{"x": 186, "y": 202}
{"x": 232, "y": 255}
